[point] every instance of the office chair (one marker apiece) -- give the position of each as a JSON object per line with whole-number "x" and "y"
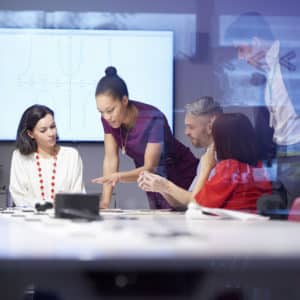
{"x": 274, "y": 205}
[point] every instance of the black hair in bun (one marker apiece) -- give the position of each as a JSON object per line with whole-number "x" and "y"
{"x": 111, "y": 71}
{"x": 112, "y": 84}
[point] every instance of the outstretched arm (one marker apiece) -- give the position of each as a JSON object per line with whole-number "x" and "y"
{"x": 151, "y": 161}
{"x": 110, "y": 168}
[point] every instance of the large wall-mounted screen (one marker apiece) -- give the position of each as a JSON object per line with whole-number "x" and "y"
{"x": 60, "y": 68}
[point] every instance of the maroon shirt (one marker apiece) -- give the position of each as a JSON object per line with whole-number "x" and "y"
{"x": 177, "y": 163}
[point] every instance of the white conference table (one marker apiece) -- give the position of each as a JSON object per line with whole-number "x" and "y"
{"x": 148, "y": 254}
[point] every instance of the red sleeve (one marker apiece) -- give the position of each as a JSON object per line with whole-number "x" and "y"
{"x": 220, "y": 187}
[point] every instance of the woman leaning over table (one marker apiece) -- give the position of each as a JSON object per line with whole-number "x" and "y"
{"x": 142, "y": 132}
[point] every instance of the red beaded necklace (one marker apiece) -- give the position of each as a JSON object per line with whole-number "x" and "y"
{"x": 41, "y": 180}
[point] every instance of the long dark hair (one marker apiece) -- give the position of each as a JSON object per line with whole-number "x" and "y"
{"x": 234, "y": 138}
{"x": 29, "y": 119}
{"x": 112, "y": 84}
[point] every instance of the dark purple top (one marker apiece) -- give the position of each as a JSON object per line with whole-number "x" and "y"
{"x": 177, "y": 162}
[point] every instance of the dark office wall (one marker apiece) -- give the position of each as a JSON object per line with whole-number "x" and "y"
{"x": 193, "y": 76}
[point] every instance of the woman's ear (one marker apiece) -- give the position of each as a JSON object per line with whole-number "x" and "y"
{"x": 29, "y": 133}
{"x": 125, "y": 100}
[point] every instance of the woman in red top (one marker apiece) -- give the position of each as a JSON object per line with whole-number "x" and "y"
{"x": 238, "y": 179}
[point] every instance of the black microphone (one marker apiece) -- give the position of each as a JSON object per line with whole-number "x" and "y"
{"x": 44, "y": 206}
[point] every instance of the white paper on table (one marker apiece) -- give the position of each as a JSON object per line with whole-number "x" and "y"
{"x": 196, "y": 211}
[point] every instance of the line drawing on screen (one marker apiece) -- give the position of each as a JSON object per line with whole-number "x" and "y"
{"x": 60, "y": 68}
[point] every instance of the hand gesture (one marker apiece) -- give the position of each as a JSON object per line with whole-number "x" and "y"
{"x": 150, "y": 182}
{"x": 111, "y": 179}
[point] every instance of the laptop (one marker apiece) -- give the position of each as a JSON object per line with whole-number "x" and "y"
{"x": 77, "y": 205}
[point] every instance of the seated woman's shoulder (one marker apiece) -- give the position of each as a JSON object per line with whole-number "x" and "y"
{"x": 66, "y": 150}
{"x": 17, "y": 154}
{"x": 228, "y": 164}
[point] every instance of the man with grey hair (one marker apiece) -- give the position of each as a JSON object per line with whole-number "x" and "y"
{"x": 198, "y": 121}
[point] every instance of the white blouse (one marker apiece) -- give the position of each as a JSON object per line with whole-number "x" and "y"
{"x": 25, "y": 184}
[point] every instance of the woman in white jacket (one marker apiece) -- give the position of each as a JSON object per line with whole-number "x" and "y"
{"x": 40, "y": 168}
